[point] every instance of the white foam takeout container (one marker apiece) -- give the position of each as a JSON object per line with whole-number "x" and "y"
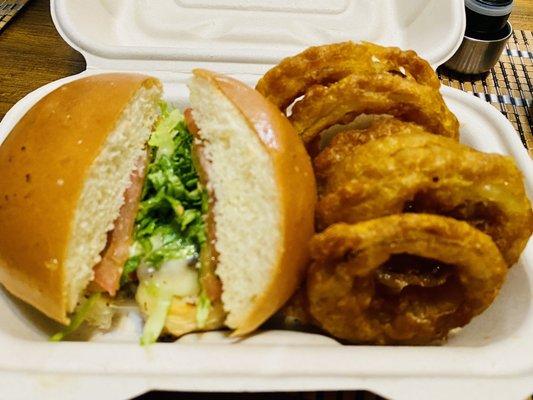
{"x": 492, "y": 358}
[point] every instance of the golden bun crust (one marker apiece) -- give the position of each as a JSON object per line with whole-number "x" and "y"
{"x": 296, "y": 184}
{"x": 44, "y": 161}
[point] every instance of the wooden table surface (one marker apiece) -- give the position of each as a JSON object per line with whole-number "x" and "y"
{"x": 32, "y": 53}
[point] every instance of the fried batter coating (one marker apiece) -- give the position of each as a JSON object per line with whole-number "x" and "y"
{"x": 351, "y": 296}
{"x": 322, "y": 65}
{"x": 418, "y": 172}
{"x": 344, "y": 142}
{"x": 295, "y": 313}
{"x": 354, "y": 95}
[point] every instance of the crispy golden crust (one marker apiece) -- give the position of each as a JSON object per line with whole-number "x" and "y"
{"x": 347, "y": 299}
{"x": 354, "y": 95}
{"x": 296, "y": 185}
{"x": 295, "y": 313}
{"x": 418, "y": 172}
{"x": 328, "y": 63}
{"x": 344, "y": 143}
{"x": 43, "y": 162}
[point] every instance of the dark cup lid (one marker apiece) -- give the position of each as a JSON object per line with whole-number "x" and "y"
{"x": 490, "y": 8}
{"x": 496, "y": 3}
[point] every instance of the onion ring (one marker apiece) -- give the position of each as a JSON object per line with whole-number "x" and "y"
{"x": 294, "y": 315}
{"x": 347, "y": 299}
{"x": 328, "y": 63}
{"x": 425, "y": 173}
{"x": 354, "y": 95}
{"x": 344, "y": 142}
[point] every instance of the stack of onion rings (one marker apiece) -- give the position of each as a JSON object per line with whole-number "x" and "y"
{"x": 419, "y": 229}
{"x": 417, "y": 172}
{"x": 350, "y": 300}
{"x": 354, "y": 95}
{"x": 322, "y": 65}
{"x": 341, "y": 81}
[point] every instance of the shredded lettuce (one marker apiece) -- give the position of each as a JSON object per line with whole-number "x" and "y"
{"x": 170, "y": 223}
{"x": 203, "y": 307}
{"x": 80, "y": 315}
{"x": 156, "y": 321}
{"x": 162, "y": 137}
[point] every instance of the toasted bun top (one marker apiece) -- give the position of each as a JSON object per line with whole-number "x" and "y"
{"x": 295, "y": 183}
{"x": 44, "y": 162}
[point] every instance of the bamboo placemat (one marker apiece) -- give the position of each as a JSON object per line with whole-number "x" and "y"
{"x": 8, "y": 9}
{"x": 508, "y": 86}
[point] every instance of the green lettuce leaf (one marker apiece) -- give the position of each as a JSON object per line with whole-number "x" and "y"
{"x": 156, "y": 321}
{"x": 80, "y": 315}
{"x": 163, "y": 136}
{"x": 203, "y": 307}
{"x": 170, "y": 223}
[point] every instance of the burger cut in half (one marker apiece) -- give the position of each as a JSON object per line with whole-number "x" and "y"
{"x": 106, "y": 193}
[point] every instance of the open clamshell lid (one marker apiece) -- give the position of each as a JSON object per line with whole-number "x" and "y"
{"x": 247, "y": 36}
